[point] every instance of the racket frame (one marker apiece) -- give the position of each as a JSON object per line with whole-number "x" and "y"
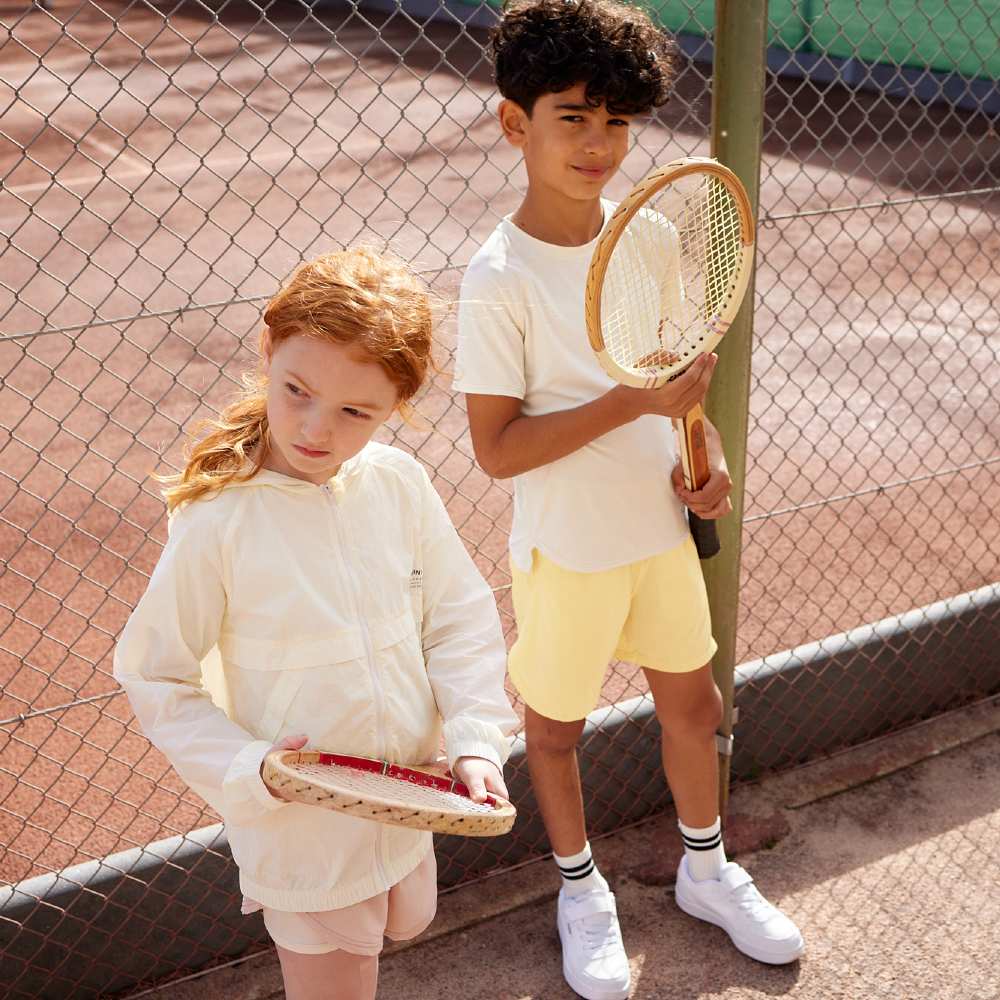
{"x": 716, "y": 327}
{"x": 690, "y": 429}
{"x": 279, "y": 774}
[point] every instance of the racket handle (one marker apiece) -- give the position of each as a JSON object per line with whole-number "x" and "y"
{"x": 696, "y": 468}
{"x": 705, "y": 535}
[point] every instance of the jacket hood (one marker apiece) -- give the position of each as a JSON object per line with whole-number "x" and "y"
{"x": 349, "y": 471}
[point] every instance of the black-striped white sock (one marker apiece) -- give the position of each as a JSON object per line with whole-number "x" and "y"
{"x": 579, "y": 873}
{"x": 703, "y": 849}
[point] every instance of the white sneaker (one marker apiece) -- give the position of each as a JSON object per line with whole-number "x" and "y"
{"x": 733, "y": 903}
{"x": 594, "y": 961}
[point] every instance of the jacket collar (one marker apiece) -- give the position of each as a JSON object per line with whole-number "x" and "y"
{"x": 349, "y": 472}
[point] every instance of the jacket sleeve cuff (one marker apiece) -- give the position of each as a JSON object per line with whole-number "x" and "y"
{"x": 471, "y": 738}
{"x": 245, "y": 795}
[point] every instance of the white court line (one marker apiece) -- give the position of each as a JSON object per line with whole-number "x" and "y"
{"x": 138, "y": 168}
{"x": 134, "y": 167}
{"x": 143, "y": 170}
{"x": 115, "y": 156}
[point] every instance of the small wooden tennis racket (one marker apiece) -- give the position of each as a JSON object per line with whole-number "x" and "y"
{"x": 667, "y": 278}
{"x": 422, "y": 798}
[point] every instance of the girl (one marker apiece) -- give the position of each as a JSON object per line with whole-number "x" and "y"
{"x": 346, "y": 611}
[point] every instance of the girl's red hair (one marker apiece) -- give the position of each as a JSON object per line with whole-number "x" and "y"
{"x": 359, "y": 296}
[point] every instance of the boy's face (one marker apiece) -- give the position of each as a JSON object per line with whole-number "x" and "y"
{"x": 568, "y": 146}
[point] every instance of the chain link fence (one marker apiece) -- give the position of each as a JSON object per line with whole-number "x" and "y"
{"x": 164, "y": 167}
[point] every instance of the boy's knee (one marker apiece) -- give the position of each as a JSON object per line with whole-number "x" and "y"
{"x": 713, "y": 710}
{"x": 549, "y": 736}
{"x": 699, "y": 717}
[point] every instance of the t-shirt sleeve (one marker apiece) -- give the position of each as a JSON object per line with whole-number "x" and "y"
{"x": 490, "y": 354}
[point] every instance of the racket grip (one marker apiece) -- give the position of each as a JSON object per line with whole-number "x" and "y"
{"x": 694, "y": 462}
{"x": 705, "y": 535}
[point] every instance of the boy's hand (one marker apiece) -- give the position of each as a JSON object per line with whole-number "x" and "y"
{"x": 712, "y": 500}
{"x": 676, "y": 398}
{"x": 296, "y": 742}
{"x": 479, "y": 776}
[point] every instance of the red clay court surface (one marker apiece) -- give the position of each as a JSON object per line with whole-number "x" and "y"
{"x": 203, "y": 179}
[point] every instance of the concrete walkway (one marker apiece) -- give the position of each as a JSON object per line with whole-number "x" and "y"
{"x": 888, "y": 857}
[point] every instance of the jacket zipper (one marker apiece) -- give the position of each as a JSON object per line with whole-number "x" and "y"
{"x": 369, "y": 655}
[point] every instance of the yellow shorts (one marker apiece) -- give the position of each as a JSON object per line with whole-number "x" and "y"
{"x": 653, "y": 613}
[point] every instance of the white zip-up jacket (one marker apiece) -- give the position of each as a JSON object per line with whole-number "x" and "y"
{"x": 350, "y": 612}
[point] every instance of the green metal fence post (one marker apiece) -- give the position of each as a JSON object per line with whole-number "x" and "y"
{"x": 737, "y": 129}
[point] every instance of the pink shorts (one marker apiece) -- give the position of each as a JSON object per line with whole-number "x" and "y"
{"x": 399, "y": 913}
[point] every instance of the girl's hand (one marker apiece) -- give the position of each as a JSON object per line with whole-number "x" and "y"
{"x": 480, "y": 775}
{"x": 296, "y": 742}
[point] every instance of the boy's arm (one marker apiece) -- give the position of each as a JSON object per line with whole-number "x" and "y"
{"x": 508, "y": 444}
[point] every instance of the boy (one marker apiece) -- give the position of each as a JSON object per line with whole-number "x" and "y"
{"x": 602, "y": 562}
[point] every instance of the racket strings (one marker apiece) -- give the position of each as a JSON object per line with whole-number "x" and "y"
{"x": 671, "y": 273}
{"x": 367, "y": 784}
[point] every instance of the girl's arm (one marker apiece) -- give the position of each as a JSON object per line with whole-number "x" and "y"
{"x": 463, "y": 643}
{"x": 158, "y": 663}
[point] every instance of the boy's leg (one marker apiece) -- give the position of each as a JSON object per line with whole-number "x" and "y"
{"x": 594, "y": 960}
{"x": 669, "y": 633}
{"x": 332, "y": 975}
{"x": 555, "y": 779}
{"x": 689, "y": 707}
{"x": 568, "y": 625}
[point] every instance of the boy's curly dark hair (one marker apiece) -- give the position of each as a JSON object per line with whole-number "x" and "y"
{"x": 547, "y": 46}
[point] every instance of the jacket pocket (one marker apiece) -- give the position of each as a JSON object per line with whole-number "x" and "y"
{"x": 390, "y": 631}
{"x": 266, "y": 676}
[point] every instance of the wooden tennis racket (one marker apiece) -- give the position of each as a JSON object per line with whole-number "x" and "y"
{"x": 422, "y": 798}
{"x": 667, "y": 278}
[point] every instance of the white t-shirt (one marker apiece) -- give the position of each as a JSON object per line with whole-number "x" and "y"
{"x": 522, "y": 333}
